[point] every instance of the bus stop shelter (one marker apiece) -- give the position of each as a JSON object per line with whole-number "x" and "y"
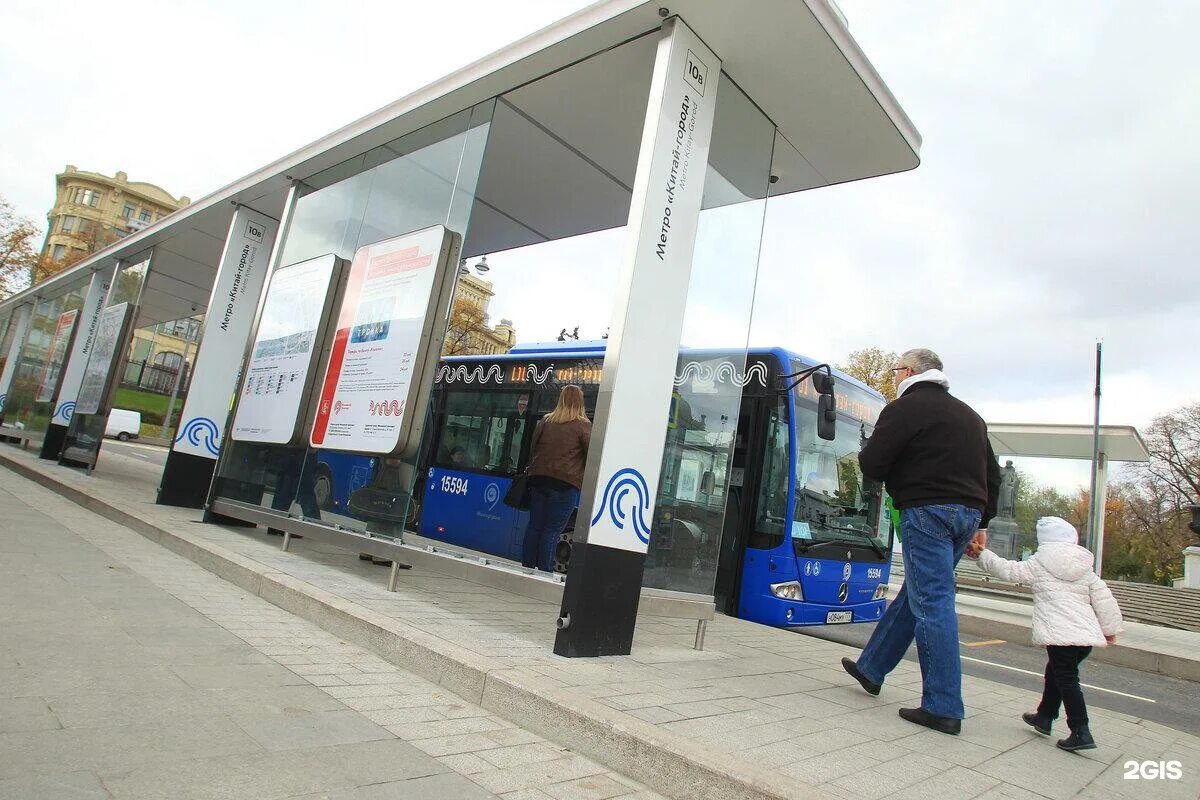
{"x": 678, "y": 123}
{"x": 1121, "y": 443}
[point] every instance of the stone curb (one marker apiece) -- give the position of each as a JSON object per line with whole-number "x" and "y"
{"x": 667, "y": 763}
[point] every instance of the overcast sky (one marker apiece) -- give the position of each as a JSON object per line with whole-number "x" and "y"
{"x": 1055, "y": 205}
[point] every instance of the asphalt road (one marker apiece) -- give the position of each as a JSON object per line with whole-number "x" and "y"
{"x": 1169, "y": 701}
{"x": 151, "y": 454}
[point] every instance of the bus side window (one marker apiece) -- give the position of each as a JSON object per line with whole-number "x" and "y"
{"x": 480, "y": 431}
{"x": 771, "y": 509}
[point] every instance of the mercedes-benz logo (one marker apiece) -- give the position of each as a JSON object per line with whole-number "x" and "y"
{"x": 843, "y": 592}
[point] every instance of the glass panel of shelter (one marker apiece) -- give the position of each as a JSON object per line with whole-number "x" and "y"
{"x": 412, "y": 183}
{"x": 546, "y": 190}
{"x": 693, "y": 494}
{"x": 22, "y": 409}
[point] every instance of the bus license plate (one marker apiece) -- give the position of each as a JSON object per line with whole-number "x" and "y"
{"x": 839, "y": 617}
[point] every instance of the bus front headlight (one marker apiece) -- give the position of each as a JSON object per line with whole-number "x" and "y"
{"x": 790, "y": 590}
{"x": 881, "y": 591}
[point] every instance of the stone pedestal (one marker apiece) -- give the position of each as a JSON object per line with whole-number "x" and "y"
{"x": 1191, "y": 567}
{"x": 1003, "y": 536}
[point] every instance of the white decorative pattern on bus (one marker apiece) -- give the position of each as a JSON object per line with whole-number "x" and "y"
{"x": 540, "y": 380}
{"x": 448, "y": 374}
{"x": 724, "y": 372}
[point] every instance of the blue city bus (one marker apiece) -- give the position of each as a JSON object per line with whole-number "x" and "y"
{"x": 749, "y": 491}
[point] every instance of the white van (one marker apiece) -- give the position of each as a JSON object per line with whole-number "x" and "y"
{"x": 123, "y": 424}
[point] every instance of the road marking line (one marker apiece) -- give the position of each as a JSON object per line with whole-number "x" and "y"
{"x": 1041, "y": 675}
{"x": 982, "y": 644}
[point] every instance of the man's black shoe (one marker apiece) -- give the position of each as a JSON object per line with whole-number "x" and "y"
{"x": 1039, "y": 724}
{"x": 1078, "y": 740}
{"x": 940, "y": 724}
{"x": 863, "y": 680}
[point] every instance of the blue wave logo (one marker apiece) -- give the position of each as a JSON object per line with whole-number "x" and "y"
{"x": 3, "y": 400}
{"x": 201, "y": 432}
{"x": 620, "y": 486}
{"x": 66, "y": 411}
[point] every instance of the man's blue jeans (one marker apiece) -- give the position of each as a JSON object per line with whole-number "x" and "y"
{"x": 935, "y": 538}
{"x": 549, "y": 512}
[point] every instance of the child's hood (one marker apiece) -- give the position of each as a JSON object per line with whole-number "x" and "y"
{"x": 1067, "y": 562}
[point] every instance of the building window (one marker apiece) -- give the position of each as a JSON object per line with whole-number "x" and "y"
{"x": 121, "y": 234}
{"x": 89, "y": 197}
{"x": 127, "y": 211}
{"x": 58, "y": 252}
{"x": 145, "y": 215}
{"x": 68, "y": 224}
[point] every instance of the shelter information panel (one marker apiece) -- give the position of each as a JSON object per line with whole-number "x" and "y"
{"x": 273, "y": 391}
{"x": 58, "y": 354}
{"x": 96, "y": 377}
{"x": 381, "y": 329}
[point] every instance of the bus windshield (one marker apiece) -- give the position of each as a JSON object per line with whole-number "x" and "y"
{"x": 833, "y": 502}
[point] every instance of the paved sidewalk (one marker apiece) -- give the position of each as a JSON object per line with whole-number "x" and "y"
{"x": 127, "y": 671}
{"x": 769, "y": 708}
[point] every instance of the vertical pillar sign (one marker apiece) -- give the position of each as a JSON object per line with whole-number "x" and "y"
{"x": 24, "y": 315}
{"x": 231, "y": 308}
{"x": 89, "y": 320}
{"x": 620, "y": 482}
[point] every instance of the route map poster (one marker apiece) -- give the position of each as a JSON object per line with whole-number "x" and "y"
{"x": 273, "y": 393}
{"x": 58, "y": 355}
{"x": 369, "y": 382}
{"x": 96, "y": 377}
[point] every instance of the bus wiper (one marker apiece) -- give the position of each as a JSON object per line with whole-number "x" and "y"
{"x": 879, "y": 551}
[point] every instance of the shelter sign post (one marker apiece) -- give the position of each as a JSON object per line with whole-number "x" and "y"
{"x": 241, "y": 274}
{"x": 604, "y": 579}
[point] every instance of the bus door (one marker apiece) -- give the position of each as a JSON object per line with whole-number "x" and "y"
{"x": 757, "y": 505}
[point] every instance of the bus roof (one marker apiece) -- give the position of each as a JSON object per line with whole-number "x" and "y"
{"x": 595, "y": 349}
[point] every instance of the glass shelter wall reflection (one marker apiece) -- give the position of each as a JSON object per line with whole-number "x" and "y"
{"x": 425, "y": 178}
{"x": 699, "y": 485}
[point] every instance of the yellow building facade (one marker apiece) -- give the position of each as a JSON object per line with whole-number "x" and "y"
{"x": 92, "y": 210}
{"x": 478, "y": 337}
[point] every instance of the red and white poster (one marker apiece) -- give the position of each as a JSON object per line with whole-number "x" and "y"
{"x": 58, "y": 354}
{"x": 369, "y": 382}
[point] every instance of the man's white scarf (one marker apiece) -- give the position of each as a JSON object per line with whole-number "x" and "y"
{"x": 929, "y": 375}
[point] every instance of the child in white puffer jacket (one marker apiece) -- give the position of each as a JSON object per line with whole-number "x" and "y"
{"x": 1073, "y": 611}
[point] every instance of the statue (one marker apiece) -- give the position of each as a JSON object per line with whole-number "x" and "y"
{"x": 1006, "y": 503}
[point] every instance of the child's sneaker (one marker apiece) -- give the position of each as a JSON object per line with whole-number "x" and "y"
{"x": 1038, "y": 723}
{"x": 1078, "y": 740}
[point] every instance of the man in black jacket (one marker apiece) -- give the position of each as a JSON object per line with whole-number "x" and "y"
{"x": 932, "y": 453}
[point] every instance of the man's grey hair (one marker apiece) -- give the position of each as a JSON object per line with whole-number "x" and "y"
{"x": 921, "y": 360}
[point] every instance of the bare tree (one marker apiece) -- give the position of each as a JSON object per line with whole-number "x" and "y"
{"x": 467, "y": 329}
{"x": 1173, "y": 440}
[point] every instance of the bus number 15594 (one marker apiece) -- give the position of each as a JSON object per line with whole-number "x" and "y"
{"x": 453, "y": 485}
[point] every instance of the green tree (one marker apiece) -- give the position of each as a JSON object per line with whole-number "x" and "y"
{"x": 18, "y": 251}
{"x": 873, "y": 366}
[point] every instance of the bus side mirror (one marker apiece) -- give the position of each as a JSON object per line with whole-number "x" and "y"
{"x": 826, "y": 406}
{"x": 827, "y": 417}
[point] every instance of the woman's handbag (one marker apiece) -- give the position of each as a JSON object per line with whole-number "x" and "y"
{"x": 517, "y": 495}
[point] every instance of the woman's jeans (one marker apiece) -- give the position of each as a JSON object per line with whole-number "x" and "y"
{"x": 1062, "y": 686}
{"x": 935, "y": 537}
{"x": 549, "y": 512}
